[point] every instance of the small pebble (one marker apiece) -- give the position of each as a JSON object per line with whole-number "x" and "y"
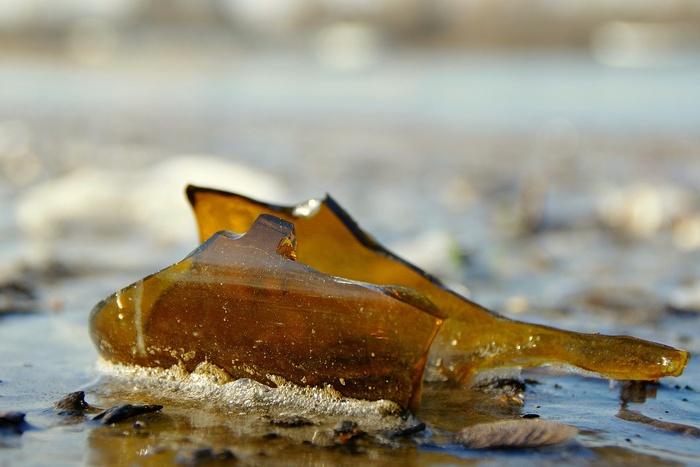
{"x": 13, "y": 423}
{"x": 411, "y": 430}
{"x": 120, "y": 413}
{"x": 72, "y": 404}
{"x": 17, "y": 296}
{"x": 348, "y": 431}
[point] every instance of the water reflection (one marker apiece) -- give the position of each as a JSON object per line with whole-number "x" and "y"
{"x": 637, "y": 417}
{"x": 187, "y": 435}
{"x": 637, "y": 391}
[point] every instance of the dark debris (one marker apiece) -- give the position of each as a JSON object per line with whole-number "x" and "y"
{"x": 17, "y": 296}
{"x": 72, "y": 404}
{"x": 410, "y": 431}
{"x": 205, "y": 455}
{"x": 503, "y": 386}
{"x": 123, "y": 412}
{"x": 348, "y": 432}
{"x": 346, "y": 426}
{"x": 291, "y": 421}
{"x": 13, "y": 423}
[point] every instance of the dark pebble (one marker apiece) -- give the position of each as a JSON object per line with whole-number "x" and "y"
{"x": 120, "y": 413}
{"x": 72, "y": 404}
{"x": 410, "y": 431}
{"x": 13, "y": 423}
{"x": 209, "y": 453}
{"x": 205, "y": 455}
{"x": 17, "y": 297}
{"x": 530, "y": 415}
{"x": 508, "y": 386}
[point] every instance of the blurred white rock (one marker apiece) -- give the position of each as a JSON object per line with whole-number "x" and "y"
{"x": 642, "y": 210}
{"x": 686, "y": 232}
{"x": 348, "y": 47}
{"x": 686, "y": 298}
{"x": 122, "y": 219}
{"x": 160, "y": 204}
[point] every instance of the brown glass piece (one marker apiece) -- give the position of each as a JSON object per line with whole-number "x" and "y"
{"x": 473, "y": 338}
{"x": 245, "y": 304}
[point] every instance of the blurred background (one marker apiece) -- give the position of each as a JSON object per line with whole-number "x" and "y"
{"x": 445, "y": 127}
{"x": 541, "y": 156}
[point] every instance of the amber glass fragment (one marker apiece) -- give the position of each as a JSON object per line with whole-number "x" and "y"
{"x": 473, "y": 338}
{"x": 246, "y": 305}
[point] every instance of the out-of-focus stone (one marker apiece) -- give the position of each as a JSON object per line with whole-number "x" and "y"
{"x": 686, "y": 299}
{"x": 113, "y": 217}
{"x": 642, "y": 210}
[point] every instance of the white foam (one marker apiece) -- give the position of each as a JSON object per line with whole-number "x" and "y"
{"x": 212, "y": 386}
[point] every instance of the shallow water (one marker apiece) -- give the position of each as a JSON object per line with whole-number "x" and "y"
{"x": 473, "y": 189}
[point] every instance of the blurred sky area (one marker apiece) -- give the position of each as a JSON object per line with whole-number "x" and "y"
{"x": 471, "y": 59}
{"x": 468, "y": 63}
{"x": 289, "y": 85}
